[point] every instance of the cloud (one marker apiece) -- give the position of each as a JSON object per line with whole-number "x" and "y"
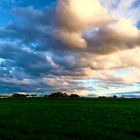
{"x": 118, "y": 68}
{"x": 86, "y": 30}
{"x": 72, "y": 40}
{"x": 113, "y": 37}
{"x": 123, "y": 9}
{"x": 65, "y": 47}
{"x": 84, "y": 14}
{"x": 78, "y": 15}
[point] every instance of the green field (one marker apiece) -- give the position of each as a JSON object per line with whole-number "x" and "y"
{"x": 67, "y": 119}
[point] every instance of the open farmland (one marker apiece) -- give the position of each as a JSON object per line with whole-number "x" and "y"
{"x": 67, "y": 119}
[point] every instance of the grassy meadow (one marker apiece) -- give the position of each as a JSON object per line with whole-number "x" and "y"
{"x": 69, "y": 119}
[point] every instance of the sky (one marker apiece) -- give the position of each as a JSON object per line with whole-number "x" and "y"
{"x": 85, "y": 47}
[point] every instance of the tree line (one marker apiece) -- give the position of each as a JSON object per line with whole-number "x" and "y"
{"x": 62, "y": 95}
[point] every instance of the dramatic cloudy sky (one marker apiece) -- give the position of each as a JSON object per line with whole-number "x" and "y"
{"x": 88, "y": 47}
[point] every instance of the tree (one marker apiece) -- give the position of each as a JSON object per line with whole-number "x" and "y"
{"x": 74, "y": 95}
{"x": 114, "y": 96}
{"x": 58, "y": 95}
{"x": 19, "y": 95}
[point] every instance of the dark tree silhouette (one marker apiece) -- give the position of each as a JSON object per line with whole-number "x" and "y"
{"x": 58, "y": 94}
{"x": 114, "y": 96}
{"x": 74, "y": 95}
{"x": 19, "y": 95}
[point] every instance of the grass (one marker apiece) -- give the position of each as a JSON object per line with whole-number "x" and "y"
{"x": 67, "y": 119}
